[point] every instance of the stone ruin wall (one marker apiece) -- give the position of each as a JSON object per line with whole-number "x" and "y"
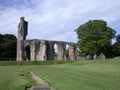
{"x": 41, "y": 49}
{"x": 45, "y": 50}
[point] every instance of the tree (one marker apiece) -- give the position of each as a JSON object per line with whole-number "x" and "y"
{"x": 116, "y": 46}
{"x": 1, "y": 38}
{"x": 118, "y": 38}
{"x": 116, "y": 49}
{"x": 94, "y": 37}
{"x": 8, "y": 47}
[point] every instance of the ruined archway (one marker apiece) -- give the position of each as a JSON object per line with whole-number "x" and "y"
{"x": 67, "y": 51}
{"x": 55, "y": 51}
{"x": 27, "y": 52}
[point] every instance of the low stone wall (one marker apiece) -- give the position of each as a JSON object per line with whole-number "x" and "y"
{"x": 41, "y": 84}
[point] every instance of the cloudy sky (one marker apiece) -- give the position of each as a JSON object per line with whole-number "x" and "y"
{"x": 57, "y": 19}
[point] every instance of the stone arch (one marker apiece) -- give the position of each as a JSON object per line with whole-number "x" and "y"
{"x": 67, "y": 51}
{"x": 50, "y": 50}
{"x": 55, "y": 48}
{"x": 55, "y": 51}
{"x": 27, "y": 52}
{"x": 37, "y": 45}
{"x": 60, "y": 50}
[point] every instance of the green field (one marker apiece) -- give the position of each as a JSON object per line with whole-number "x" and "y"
{"x": 77, "y": 75}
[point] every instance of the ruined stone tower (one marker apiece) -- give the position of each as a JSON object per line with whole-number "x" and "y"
{"x": 22, "y": 33}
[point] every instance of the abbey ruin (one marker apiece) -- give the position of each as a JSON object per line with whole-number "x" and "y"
{"x": 42, "y": 50}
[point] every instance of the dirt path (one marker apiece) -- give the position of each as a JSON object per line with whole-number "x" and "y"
{"x": 41, "y": 84}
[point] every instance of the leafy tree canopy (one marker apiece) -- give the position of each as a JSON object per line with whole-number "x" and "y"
{"x": 94, "y": 37}
{"x": 116, "y": 49}
{"x": 116, "y": 46}
{"x": 7, "y": 47}
{"x": 118, "y": 38}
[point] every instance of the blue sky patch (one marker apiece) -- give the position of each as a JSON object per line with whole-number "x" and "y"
{"x": 16, "y": 3}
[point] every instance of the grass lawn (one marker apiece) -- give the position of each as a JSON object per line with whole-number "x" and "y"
{"x": 78, "y": 75}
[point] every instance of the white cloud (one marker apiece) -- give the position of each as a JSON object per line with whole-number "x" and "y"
{"x": 57, "y": 19}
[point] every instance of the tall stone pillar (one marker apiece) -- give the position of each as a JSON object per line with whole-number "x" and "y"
{"x": 33, "y": 50}
{"x": 41, "y": 51}
{"x": 22, "y": 33}
{"x": 72, "y": 52}
{"x": 61, "y": 51}
{"x": 43, "y": 48}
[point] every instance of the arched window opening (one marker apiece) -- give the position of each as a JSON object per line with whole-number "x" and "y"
{"x": 67, "y": 51}
{"x": 27, "y": 52}
{"x": 55, "y": 48}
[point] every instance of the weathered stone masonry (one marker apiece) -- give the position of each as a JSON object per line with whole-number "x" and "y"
{"x": 41, "y": 50}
